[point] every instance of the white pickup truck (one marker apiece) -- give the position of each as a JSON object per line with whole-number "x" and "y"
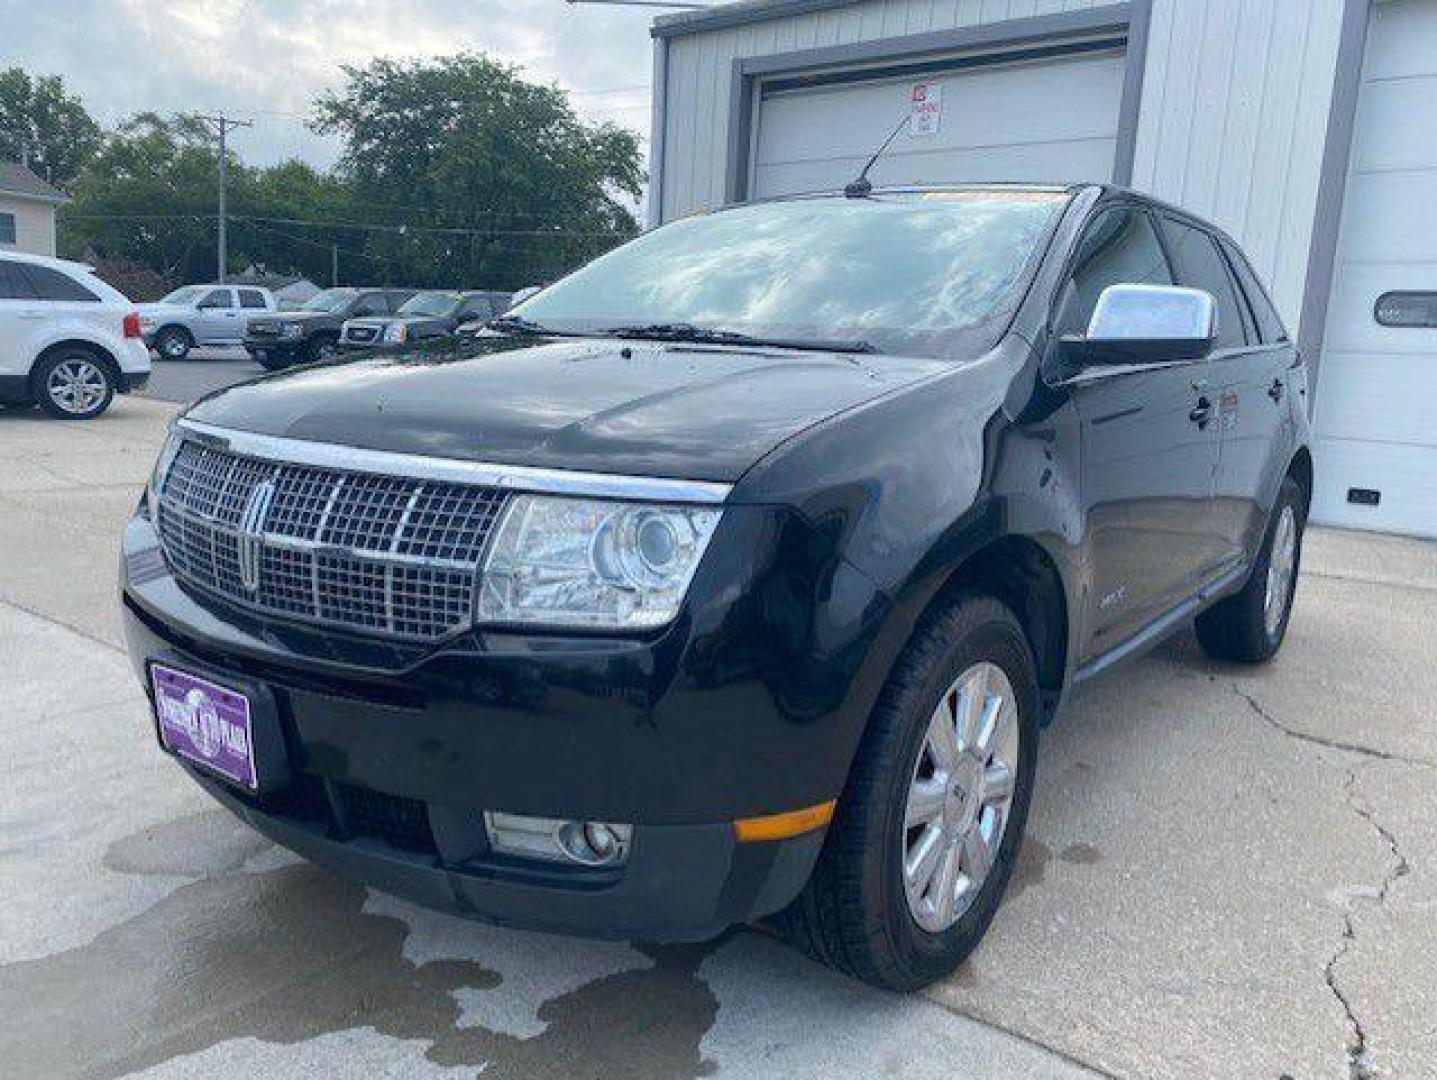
{"x": 198, "y": 315}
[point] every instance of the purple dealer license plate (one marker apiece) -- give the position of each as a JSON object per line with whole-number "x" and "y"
{"x": 205, "y": 723}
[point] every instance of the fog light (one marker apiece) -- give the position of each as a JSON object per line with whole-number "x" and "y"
{"x": 588, "y": 843}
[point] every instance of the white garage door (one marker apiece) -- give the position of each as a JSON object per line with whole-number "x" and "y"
{"x": 1052, "y": 119}
{"x": 1376, "y": 411}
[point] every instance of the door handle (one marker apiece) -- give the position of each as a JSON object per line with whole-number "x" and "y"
{"x": 1202, "y": 413}
{"x": 1275, "y": 390}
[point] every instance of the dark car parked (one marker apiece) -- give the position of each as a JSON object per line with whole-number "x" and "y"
{"x": 738, "y": 574}
{"x": 423, "y": 317}
{"x": 312, "y": 332}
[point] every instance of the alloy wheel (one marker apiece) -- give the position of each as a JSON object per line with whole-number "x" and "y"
{"x": 960, "y": 796}
{"x": 1281, "y": 565}
{"x": 77, "y": 386}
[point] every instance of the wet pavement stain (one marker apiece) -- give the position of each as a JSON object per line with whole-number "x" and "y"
{"x": 290, "y": 954}
{"x": 199, "y": 845}
{"x": 1081, "y": 854}
{"x": 1029, "y": 867}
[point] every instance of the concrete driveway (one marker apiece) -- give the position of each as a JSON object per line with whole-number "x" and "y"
{"x": 1229, "y": 872}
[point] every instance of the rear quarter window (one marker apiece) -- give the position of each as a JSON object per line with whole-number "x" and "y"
{"x": 52, "y": 285}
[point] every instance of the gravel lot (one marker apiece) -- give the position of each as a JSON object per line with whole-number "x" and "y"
{"x": 1229, "y": 872}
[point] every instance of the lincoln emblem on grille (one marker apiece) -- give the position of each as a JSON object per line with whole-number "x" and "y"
{"x": 251, "y": 531}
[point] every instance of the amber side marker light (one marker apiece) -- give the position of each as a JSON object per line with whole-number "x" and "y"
{"x": 781, "y": 826}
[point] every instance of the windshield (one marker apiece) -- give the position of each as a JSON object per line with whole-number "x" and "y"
{"x": 184, "y": 296}
{"x": 442, "y": 303}
{"x": 907, "y": 273}
{"x": 329, "y": 300}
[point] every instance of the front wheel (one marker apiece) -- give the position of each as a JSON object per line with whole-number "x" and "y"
{"x": 1249, "y": 627}
{"x": 73, "y": 384}
{"x": 918, "y": 857}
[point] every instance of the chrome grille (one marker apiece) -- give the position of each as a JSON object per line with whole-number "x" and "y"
{"x": 388, "y": 555}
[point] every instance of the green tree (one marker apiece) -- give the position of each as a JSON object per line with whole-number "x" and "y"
{"x": 41, "y": 123}
{"x": 149, "y": 196}
{"x": 475, "y": 176}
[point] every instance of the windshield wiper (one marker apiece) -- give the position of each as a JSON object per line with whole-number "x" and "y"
{"x": 689, "y": 332}
{"x": 517, "y": 324}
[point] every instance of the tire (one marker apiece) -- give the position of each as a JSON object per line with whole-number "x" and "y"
{"x": 1244, "y": 628}
{"x": 174, "y": 343}
{"x": 855, "y": 914}
{"x": 73, "y": 383}
{"x": 272, "y": 361}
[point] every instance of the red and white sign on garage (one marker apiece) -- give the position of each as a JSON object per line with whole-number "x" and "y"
{"x": 925, "y": 103}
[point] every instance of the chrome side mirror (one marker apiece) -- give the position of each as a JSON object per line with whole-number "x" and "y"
{"x": 1138, "y": 324}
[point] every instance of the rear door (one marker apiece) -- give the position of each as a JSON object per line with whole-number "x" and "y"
{"x": 1150, "y": 447}
{"x": 18, "y": 313}
{"x": 1248, "y": 377}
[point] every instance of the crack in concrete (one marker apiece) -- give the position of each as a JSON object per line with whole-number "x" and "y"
{"x": 1361, "y": 1063}
{"x": 1360, "y": 1060}
{"x": 1369, "y": 752}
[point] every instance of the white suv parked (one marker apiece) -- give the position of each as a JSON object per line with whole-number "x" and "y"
{"x": 202, "y": 315}
{"x": 68, "y": 341}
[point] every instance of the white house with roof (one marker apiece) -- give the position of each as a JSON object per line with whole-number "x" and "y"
{"x": 27, "y": 210}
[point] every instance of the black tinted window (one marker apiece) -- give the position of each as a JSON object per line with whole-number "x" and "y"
{"x": 1201, "y": 266}
{"x": 371, "y": 303}
{"x": 251, "y": 298}
{"x": 7, "y": 228}
{"x": 218, "y": 298}
{"x": 14, "y": 285}
{"x": 1269, "y": 322}
{"x": 1119, "y": 247}
{"x": 53, "y": 285}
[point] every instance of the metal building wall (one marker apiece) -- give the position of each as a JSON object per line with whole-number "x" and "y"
{"x": 1235, "y": 103}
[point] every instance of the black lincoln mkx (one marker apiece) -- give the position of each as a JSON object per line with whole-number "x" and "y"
{"x": 735, "y": 574}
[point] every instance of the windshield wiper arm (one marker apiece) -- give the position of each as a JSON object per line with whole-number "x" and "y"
{"x": 517, "y": 324}
{"x": 689, "y": 332}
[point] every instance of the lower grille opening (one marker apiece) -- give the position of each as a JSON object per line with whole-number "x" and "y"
{"x": 398, "y": 821}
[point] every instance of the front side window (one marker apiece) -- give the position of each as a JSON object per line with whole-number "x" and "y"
{"x": 1201, "y": 266}
{"x": 218, "y": 298}
{"x": 1119, "y": 247}
{"x": 7, "y": 228}
{"x": 52, "y": 285}
{"x": 908, "y": 273}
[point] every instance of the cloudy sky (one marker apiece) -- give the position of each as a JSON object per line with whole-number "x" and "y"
{"x": 267, "y": 59}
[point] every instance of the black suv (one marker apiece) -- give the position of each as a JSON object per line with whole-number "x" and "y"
{"x": 424, "y": 316}
{"x": 312, "y": 332}
{"x": 734, "y": 575}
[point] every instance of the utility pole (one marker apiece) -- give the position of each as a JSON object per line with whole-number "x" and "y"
{"x": 334, "y": 265}
{"x": 223, "y": 124}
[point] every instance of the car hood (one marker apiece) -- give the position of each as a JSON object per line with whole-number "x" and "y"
{"x": 672, "y": 410}
{"x": 163, "y": 311}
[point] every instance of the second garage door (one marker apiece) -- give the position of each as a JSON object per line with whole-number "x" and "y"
{"x": 1376, "y": 450}
{"x": 1053, "y": 119}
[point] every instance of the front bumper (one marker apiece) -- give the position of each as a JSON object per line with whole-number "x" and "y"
{"x": 713, "y": 721}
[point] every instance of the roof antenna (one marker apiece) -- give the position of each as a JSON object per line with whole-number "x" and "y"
{"x": 863, "y": 187}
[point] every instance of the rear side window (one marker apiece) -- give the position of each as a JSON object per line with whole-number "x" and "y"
{"x": 1269, "y": 322}
{"x": 1119, "y": 247}
{"x": 251, "y": 298}
{"x": 14, "y": 285}
{"x": 52, "y": 285}
{"x": 1201, "y": 266}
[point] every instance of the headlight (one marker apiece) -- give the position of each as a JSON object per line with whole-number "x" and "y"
{"x": 588, "y": 563}
{"x": 395, "y": 332}
{"x": 157, "y": 475}
{"x": 291, "y": 329}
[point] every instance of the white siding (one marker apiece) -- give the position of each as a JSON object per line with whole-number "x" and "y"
{"x": 34, "y": 225}
{"x": 1236, "y": 97}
